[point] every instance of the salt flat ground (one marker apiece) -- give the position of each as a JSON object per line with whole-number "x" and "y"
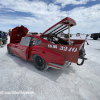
{"x": 73, "y": 83}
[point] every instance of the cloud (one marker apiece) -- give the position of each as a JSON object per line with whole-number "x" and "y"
{"x": 87, "y": 19}
{"x": 73, "y": 2}
{"x": 34, "y": 7}
{"x": 45, "y": 15}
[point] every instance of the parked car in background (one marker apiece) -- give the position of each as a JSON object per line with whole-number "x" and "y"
{"x": 78, "y": 34}
{"x": 95, "y": 36}
{"x": 4, "y": 37}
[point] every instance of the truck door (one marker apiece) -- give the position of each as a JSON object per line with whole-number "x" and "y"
{"x": 22, "y": 49}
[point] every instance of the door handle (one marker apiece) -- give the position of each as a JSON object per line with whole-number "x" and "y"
{"x": 23, "y": 50}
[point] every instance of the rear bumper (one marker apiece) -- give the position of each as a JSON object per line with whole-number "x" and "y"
{"x": 57, "y": 66}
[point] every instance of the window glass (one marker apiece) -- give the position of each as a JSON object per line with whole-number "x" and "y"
{"x": 25, "y": 41}
{"x": 35, "y": 41}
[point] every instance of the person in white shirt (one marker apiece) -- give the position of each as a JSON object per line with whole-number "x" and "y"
{"x": 86, "y": 39}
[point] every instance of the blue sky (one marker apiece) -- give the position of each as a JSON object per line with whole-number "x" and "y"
{"x": 39, "y": 15}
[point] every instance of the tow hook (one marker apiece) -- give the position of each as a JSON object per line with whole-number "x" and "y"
{"x": 82, "y": 61}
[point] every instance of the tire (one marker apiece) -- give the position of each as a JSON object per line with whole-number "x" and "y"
{"x": 95, "y": 37}
{"x": 9, "y": 51}
{"x": 39, "y": 63}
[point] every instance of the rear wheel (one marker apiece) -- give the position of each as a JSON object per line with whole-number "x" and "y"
{"x": 39, "y": 63}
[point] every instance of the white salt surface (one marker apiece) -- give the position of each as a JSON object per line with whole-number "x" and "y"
{"x": 73, "y": 83}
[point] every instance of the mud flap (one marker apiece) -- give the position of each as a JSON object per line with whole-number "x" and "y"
{"x": 70, "y": 52}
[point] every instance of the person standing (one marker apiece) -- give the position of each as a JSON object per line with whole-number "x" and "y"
{"x": 86, "y": 39}
{"x": 9, "y": 32}
{"x": 1, "y": 39}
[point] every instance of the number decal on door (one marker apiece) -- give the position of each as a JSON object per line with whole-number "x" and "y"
{"x": 65, "y": 48}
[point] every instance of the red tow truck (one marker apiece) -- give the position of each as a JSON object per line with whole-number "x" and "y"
{"x": 46, "y": 49}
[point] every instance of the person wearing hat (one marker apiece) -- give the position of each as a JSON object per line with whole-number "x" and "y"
{"x": 9, "y": 32}
{"x": 86, "y": 39}
{"x": 1, "y": 39}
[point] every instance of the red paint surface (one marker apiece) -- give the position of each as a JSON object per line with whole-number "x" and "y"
{"x": 69, "y": 54}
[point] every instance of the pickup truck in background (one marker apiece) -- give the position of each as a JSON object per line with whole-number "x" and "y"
{"x": 95, "y": 36}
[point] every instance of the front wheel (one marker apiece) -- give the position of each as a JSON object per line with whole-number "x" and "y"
{"x": 9, "y": 51}
{"x": 39, "y": 63}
